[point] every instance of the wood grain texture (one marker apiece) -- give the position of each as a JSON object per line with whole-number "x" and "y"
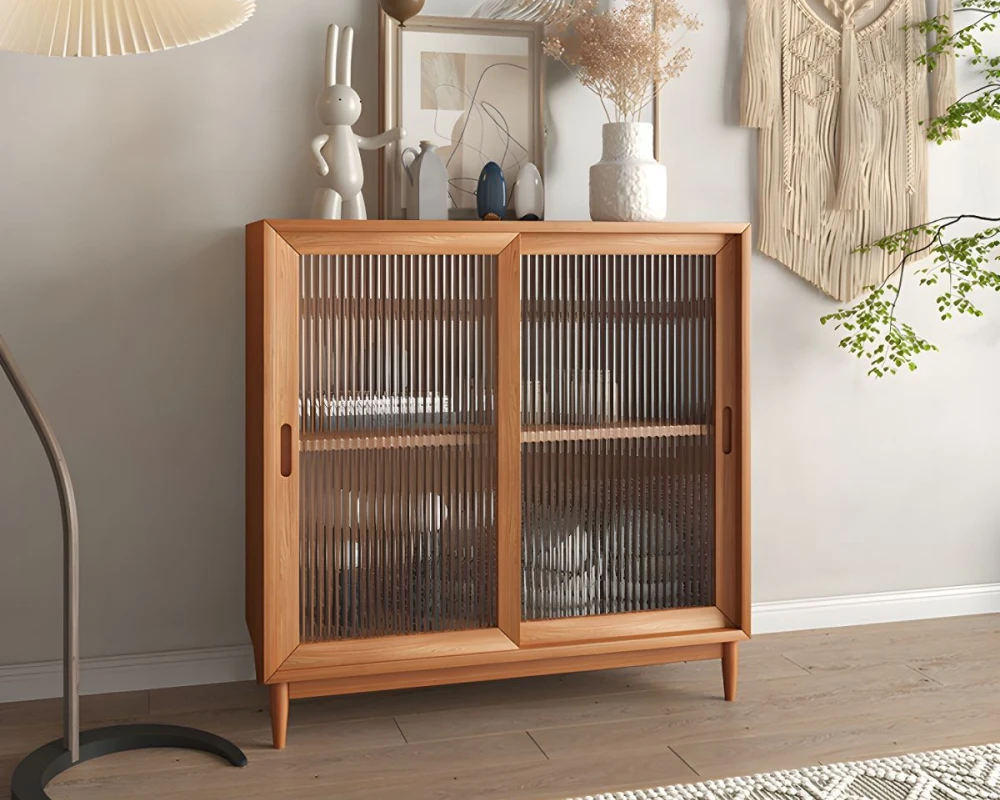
{"x": 313, "y": 769}
{"x": 489, "y": 670}
{"x": 620, "y": 626}
{"x": 360, "y": 440}
{"x": 254, "y": 443}
{"x": 693, "y": 683}
{"x": 511, "y": 662}
{"x": 588, "y": 732}
{"x": 279, "y": 715}
{"x": 45, "y": 716}
{"x": 565, "y": 433}
{"x": 289, "y": 227}
{"x": 386, "y": 649}
{"x": 508, "y": 413}
{"x": 685, "y": 710}
{"x": 653, "y": 719}
{"x": 375, "y": 242}
{"x": 591, "y": 242}
{"x": 746, "y": 598}
{"x": 207, "y": 697}
{"x": 730, "y": 669}
{"x": 732, "y": 573}
{"x": 273, "y": 249}
{"x": 280, "y": 591}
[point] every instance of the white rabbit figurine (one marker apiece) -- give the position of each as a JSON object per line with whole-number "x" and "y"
{"x": 338, "y": 153}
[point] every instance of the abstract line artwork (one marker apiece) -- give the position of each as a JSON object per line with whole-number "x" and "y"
{"x": 476, "y": 96}
{"x": 478, "y": 113}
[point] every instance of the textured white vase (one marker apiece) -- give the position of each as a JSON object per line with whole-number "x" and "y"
{"x": 628, "y": 184}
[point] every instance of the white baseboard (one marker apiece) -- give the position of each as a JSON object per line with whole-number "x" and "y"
{"x": 226, "y": 664}
{"x": 871, "y": 609}
{"x": 130, "y": 673}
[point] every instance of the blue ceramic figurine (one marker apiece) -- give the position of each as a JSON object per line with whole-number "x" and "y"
{"x": 491, "y": 195}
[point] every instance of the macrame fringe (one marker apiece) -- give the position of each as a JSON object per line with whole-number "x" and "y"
{"x": 843, "y": 158}
{"x": 944, "y": 85}
{"x": 757, "y": 89}
{"x": 850, "y": 121}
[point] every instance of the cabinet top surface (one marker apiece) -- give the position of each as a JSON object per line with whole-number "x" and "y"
{"x": 467, "y": 226}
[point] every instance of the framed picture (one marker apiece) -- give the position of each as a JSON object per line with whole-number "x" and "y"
{"x": 471, "y": 86}
{"x": 542, "y": 11}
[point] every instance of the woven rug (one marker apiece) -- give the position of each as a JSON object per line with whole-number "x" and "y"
{"x": 971, "y": 772}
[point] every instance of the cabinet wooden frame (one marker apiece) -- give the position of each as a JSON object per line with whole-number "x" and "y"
{"x": 514, "y": 647}
{"x": 272, "y": 432}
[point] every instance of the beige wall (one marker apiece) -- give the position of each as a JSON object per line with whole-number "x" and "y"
{"x": 124, "y": 188}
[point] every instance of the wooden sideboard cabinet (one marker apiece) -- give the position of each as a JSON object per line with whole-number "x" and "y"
{"x": 488, "y": 450}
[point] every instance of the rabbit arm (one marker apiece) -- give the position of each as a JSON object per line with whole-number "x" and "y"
{"x": 317, "y": 150}
{"x": 380, "y": 141}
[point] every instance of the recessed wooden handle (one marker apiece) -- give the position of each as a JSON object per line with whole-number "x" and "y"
{"x": 727, "y": 430}
{"x": 286, "y": 451}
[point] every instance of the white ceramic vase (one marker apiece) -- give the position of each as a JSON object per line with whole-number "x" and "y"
{"x": 529, "y": 193}
{"x": 427, "y": 187}
{"x": 628, "y": 184}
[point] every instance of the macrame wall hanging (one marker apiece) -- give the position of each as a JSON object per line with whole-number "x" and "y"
{"x": 839, "y": 100}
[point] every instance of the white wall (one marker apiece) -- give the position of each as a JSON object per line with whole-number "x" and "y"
{"x": 124, "y": 188}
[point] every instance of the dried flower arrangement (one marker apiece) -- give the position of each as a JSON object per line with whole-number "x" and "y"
{"x": 626, "y": 55}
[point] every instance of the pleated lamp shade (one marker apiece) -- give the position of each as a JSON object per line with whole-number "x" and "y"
{"x": 114, "y": 27}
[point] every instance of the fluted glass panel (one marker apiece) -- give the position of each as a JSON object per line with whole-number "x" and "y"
{"x": 398, "y": 442}
{"x": 617, "y": 414}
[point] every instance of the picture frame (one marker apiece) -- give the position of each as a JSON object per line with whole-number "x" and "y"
{"x": 474, "y": 87}
{"x": 653, "y": 114}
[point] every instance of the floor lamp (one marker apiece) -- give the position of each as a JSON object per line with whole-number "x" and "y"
{"x": 99, "y": 28}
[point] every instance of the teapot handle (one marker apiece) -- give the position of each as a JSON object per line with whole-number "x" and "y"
{"x": 406, "y": 166}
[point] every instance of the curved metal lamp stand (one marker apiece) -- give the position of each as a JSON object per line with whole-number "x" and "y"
{"x": 36, "y": 770}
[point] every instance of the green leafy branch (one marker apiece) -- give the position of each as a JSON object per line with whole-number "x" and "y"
{"x": 873, "y": 331}
{"x": 958, "y": 265}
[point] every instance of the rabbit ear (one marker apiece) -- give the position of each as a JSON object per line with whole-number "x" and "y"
{"x": 332, "y": 42}
{"x": 346, "y": 54}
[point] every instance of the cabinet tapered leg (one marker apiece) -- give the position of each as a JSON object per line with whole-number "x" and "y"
{"x": 730, "y": 668}
{"x": 279, "y": 714}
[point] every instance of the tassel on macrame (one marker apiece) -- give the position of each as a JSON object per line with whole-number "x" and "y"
{"x": 874, "y": 159}
{"x": 849, "y": 137}
{"x": 944, "y": 86}
{"x": 851, "y": 124}
{"x": 758, "y": 90}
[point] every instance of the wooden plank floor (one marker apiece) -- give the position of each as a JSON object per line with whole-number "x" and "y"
{"x": 805, "y": 698}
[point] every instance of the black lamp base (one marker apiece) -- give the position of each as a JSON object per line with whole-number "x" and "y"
{"x": 35, "y": 772}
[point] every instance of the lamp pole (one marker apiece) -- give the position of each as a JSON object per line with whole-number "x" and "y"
{"x": 31, "y": 776}
{"x": 71, "y": 552}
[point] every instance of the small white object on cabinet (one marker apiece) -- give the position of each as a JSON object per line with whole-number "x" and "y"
{"x": 427, "y": 190}
{"x": 529, "y": 193}
{"x": 337, "y": 154}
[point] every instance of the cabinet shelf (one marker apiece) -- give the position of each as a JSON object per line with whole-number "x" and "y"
{"x": 612, "y": 311}
{"x": 551, "y": 310}
{"x": 373, "y": 440}
{"x": 454, "y": 437}
{"x": 578, "y": 433}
